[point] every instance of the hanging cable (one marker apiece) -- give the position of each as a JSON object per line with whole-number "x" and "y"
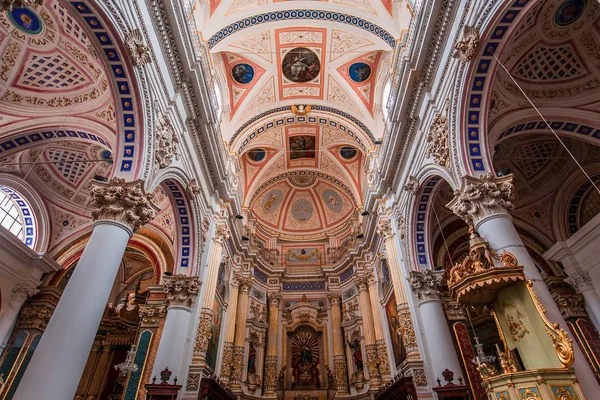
{"x": 443, "y": 236}
{"x": 547, "y": 124}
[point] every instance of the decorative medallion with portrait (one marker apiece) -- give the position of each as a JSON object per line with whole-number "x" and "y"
{"x": 302, "y": 210}
{"x": 242, "y": 73}
{"x": 569, "y": 12}
{"x": 271, "y": 200}
{"x": 256, "y": 155}
{"x": 332, "y": 200}
{"x": 26, "y": 20}
{"x": 302, "y": 147}
{"x": 301, "y": 65}
{"x": 348, "y": 153}
{"x": 359, "y": 72}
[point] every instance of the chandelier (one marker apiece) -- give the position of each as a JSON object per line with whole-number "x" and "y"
{"x": 481, "y": 358}
{"x": 128, "y": 366}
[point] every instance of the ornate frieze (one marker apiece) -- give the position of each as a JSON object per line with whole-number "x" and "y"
{"x": 237, "y": 366}
{"x": 466, "y": 48}
{"x": 437, "y": 140}
{"x": 454, "y": 311}
{"x": 203, "y": 332}
{"x": 181, "y": 290}
{"x": 150, "y": 316}
{"x": 383, "y": 360}
{"x": 138, "y": 51}
{"x": 125, "y": 202}
{"x": 340, "y": 371}
{"x": 384, "y": 229}
{"x": 373, "y": 362}
{"x": 570, "y": 305}
{"x": 407, "y": 329}
{"x": 401, "y": 226}
{"x": 167, "y": 143}
{"x": 412, "y": 186}
{"x": 227, "y": 360}
{"x": 483, "y": 196}
{"x": 270, "y": 373}
{"x": 34, "y": 317}
{"x": 426, "y": 284}
{"x": 420, "y": 377}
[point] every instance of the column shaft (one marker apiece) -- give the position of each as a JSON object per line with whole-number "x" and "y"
{"x": 9, "y": 316}
{"x": 369, "y": 333}
{"x": 98, "y": 379}
{"x": 229, "y": 331}
{"x": 240, "y": 336}
{"x": 59, "y": 360}
{"x": 382, "y": 354}
{"x": 271, "y": 354}
{"x": 340, "y": 369}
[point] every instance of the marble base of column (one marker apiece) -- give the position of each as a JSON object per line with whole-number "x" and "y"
{"x": 237, "y": 368}
{"x": 59, "y": 360}
{"x": 340, "y": 372}
{"x": 384, "y": 364}
{"x": 270, "y": 376}
{"x": 226, "y": 362}
{"x": 372, "y": 363}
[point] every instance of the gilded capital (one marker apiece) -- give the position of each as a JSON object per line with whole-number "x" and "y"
{"x": 124, "y": 202}
{"x": 426, "y": 284}
{"x": 334, "y": 298}
{"x": 274, "y": 299}
{"x": 245, "y": 284}
{"x": 181, "y": 290}
{"x": 479, "y": 197}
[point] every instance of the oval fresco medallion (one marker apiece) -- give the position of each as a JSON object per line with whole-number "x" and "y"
{"x": 256, "y": 155}
{"x": 301, "y": 65}
{"x": 569, "y": 12}
{"x": 271, "y": 201}
{"x": 333, "y": 200}
{"x": 348, "y": 153}
{"x": 242, "y": 73}
{"x": 359, "y": 72}
{"x": 26, "y": 20}
{"x": 302, "y": 210}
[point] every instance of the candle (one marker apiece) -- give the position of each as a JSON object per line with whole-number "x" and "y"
{"x": 498, "y": 350}
{"x": 478, "y": 362}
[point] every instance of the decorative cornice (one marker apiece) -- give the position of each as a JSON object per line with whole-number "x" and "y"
{"x": 426, "y": 284}
{"x": 150, "y": 316}
{"x": 124, "y": 202}
{"x": 181, "y": 290}
{"x": 479, "y": 197}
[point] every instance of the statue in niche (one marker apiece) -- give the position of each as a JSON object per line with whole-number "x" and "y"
{"x": 356, "y": 354}
{"x": 306, "y": 373}
{"x": 253, "y": 380}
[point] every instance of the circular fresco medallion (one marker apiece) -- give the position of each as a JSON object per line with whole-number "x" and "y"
{"x": 271, "y": 201}
{"x": 348, "y": 153}
{"x": 332, "y": 200}
{"x": 302, "y": 210}
{"x": 359, "y": 72}
{"x": 301, "y": 65}
{"x": 242, "y": 73}
{"x": 106, "y": 155}
{"x": 569, "y": 12}
{"x": 256, "y": 155}
{"x": 26, "y": 20}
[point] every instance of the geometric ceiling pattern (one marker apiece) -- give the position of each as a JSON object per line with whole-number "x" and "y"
{"x": 301, "y": 88}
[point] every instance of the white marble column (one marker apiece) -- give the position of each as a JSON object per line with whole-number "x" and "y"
{"x": 20, "y": 293}
{"x": 484, "y": 203}
{"x": 440, "y": 346}
{"x": 181, "y": 291}
{"x": 583, "y": 283}
{"x": 55, "y": 369}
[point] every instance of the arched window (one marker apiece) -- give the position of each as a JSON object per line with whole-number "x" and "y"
{"x": 16, "y": 215}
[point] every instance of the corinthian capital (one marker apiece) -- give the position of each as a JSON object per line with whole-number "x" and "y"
{"x": 23, "y": 291}
{"x": 274, "y": 299}
{"x": 426, "y": 284}
{"x": 221, "y": 233}
{"x": 580, "y": 281}
{"x": 479, "y": 197}
{"x": 334, "y": 298}
{"x": 384, "y": 229}
{"x": 125, "y": 202}
{"x": 181, "y": 290}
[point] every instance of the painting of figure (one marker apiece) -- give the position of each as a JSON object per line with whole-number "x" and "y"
{"x": 359, "y": 72}
{"x": 303, "y": 146}
{"x": 391, "y": 312}
{"x": 300, "y": 65}
{"x": 215, "y": 328}
{"x": 242, "y": 73}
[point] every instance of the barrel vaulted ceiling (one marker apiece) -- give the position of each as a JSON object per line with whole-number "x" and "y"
{"x": 301, "y": 87}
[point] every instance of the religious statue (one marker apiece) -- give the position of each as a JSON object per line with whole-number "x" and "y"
{"x": 356, "y": 354}
{"x": 305, "y": 361}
